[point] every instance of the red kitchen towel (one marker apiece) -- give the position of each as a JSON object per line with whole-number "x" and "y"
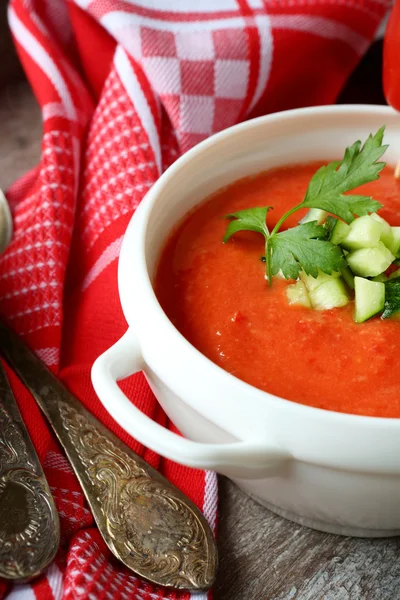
{"x": 125, "y": 87}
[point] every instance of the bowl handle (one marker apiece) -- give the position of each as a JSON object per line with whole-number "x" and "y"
{"x": 243, "y": 460}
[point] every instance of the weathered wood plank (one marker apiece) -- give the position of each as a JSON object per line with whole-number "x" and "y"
{"x": 265, "y": 557}
{"x": 20, "y": 132}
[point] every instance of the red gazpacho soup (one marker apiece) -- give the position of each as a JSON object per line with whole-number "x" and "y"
{"x": 217, "y": 296}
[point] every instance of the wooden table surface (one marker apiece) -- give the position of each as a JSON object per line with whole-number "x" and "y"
{"x": 262, "y": 556}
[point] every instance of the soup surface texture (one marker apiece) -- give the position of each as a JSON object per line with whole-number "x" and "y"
{"x": 217, "y": 297}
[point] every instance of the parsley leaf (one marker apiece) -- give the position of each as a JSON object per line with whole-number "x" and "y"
{"x": 392, "y": 298}
{"x": 304, "y": 248}
{"x": 307, "y": 246}
{"x": 326, "y": 190}
{"x": 250, "y": 219}
{"x": 359, "y": 165}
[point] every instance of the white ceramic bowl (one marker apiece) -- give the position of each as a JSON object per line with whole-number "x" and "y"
{"x": 330, "y": 471}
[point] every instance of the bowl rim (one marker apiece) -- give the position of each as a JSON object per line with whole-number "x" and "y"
{"x": 145, "y": 211}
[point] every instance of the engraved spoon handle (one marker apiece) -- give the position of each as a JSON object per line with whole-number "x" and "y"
{"x": 148, "y": 523}
{"x": 29, "y": 525}
{"x": 5, "y": 223}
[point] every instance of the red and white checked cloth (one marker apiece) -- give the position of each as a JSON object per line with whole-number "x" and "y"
{"x": 125, "y": 87}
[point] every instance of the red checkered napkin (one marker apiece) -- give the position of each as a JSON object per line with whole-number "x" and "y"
{"x": 125, "y": 87}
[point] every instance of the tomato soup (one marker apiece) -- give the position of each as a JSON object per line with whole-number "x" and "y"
{"x": 217, "y": 297}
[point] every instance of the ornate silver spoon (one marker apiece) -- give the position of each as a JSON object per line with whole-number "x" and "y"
{"x": 150, "y": 525}
{"x": 5, "y": 223}
{"x": 29, "y": 526}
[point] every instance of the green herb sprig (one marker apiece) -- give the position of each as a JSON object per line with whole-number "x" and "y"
{"x": 307, "y": 246}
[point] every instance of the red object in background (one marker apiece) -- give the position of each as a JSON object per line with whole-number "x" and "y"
{"x": 391, "y": 58}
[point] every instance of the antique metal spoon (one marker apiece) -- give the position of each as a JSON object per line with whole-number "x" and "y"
{"x": 150, "y": 525}
{"x": 5, "y": 223}
{"x": 29, "y": 526}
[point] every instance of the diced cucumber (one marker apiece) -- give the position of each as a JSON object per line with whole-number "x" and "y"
{"x": 369, "y": 300}
{"x": 382, "y": 277}
{"x": 395, "y": 245}
{"x": 364, "y": 232}
{"x": 339, "y": 232}
{"x": 330, "y": 294}
{"x": 386, "y": 235}
{"x": 314, "y": 214}
{"x": 394, "y": 275}
{"x": 312, "y": 283}
{"x": 325, "y": 291}
{"x": 370, "y": 262}
{"x": 297, "y": 294}
{"x": 348, "y": 277}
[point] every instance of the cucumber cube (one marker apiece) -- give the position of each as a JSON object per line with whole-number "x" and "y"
{"x": 325, "y": 291}
{"x": 297, "y": 294}
{"x": 339, "y": 232}
{"x": 394, "y": 275}
{"x": 330, "y": 294}
{"x": 369, "y": 298}
{"x": 386, "y": 235}
{"x": 312, "y": 283}
{"x": 364, "y": 232}
{"x": 382, "y": 277}
{"x": 348, "y": 277}
{"x": 314, "y": 214}
{"x": 395, "y": 244}
{"x": 370, "y": 262}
